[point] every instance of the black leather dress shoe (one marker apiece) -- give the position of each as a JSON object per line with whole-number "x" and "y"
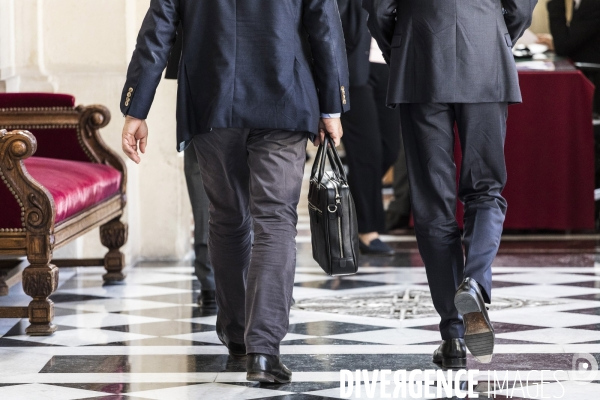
{"x": 207, "y": 300}
{"x": 267, "y": 369}
{"x": 376, "y": 247}
{"x": 451, "y": 354}
{"x": 237, "y": 350}
{"x": 479, "y": 332}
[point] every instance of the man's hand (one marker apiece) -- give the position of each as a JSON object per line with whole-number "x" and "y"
{"x": 134, "y": 130}
{"x": 331, "y": 127}
{"x": 546, "y": 38}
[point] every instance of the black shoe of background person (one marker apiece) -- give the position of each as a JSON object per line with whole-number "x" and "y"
{"x": 479, "y": 332}
{"x": 236, "y": 350}
{"x": 207, "y": 300}
{"x": 451, "y": 354}
{"x": 267, "y": 369}
{"x": 376, "y": 247}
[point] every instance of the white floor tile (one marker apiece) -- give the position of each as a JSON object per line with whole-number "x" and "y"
{"x": 208, "y": 391}
{"x": 149, "y": 278}
{"x": 45, "y": 392}
{"x": 82, "y": 337}
{"x": 391, "y": 336}
{"x": 550, "y": 319}
{"x": 554, "y": 335}
{"x": 543, "y": 291}
{"x": 125, "y": 291}
{"x": 544, "y": 278}
{"x": 112, "y": 305}
{"x": 562, "y": 390}
{"x": 100, "y": 320}
{"x": 14, "y": 362}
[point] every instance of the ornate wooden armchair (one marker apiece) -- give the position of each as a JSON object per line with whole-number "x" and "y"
{"x": 72, "y": 185}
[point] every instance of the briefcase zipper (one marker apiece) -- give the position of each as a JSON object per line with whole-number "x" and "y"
{"x": 314, "y": 208}
{"x": 339, "y": 218}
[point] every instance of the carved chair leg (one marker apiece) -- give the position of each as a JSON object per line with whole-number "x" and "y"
{"x": 114, "y": 235}
{"x": 39, "y": 282}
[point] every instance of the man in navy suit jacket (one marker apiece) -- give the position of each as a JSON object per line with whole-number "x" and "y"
{"x": 451, "y": 65}
{"x": 257, "y": 78}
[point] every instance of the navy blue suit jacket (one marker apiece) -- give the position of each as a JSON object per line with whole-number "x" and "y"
{"x": 245, "y": 64}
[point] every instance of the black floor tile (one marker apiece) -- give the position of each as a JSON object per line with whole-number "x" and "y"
{"x": 497, "y": 284}
{"x": 297, "y": 387}
{"x": 587, "y": 311}
{"x": 327, "y": 328}
{"x": 118, "y": 388}
{"x": 590, "y": 327}
{"x": 19, "y": 329}
{"x": 165, "y": 328}
{"x": 175, "y": 298}
{"x": 224, "y": 363}
{"x": 587, "y": 284}
{"x": 499, "y": 327}
{"x": 297, "y": 396}
{"x": 321, "y": 341}
{"x": 69, "y": 297}
{"x": 158, "y": 341}
{"x": 593, "y": 296}
{"x": 341, "y": 284}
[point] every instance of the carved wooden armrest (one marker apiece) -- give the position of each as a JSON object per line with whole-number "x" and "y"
{"x": 37, "y": 205}
{"x": 91, "y": 120}
{"x": 84, "y": 121}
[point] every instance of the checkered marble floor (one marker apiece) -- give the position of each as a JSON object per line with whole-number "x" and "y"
{"x": 147, "y": 339}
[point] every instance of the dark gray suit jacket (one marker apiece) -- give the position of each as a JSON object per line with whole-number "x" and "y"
{"x": 450, "y": 51}
{"x": 245, "y": 64}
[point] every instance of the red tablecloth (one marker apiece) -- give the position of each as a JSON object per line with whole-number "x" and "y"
{"x": 550, "y": 153}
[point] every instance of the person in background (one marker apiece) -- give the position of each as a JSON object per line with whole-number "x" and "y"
{"x": 198, "y": 199}
{"x": 442, "y": 56}
{"x": 397, "y": 215}
{"x": 372, "y": 136}
{"x": 580, "y": 39}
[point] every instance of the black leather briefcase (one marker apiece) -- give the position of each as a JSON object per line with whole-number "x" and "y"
{"x": 333, "y": 226}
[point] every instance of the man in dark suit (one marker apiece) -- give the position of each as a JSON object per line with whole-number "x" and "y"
{"x": 451, "y": 63}
{"x": 198, "y": 199}
{"x": 580, "y": 39}
{"x": 256, "y": 79}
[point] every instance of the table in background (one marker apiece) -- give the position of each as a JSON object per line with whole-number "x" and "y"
{"x": 550, "y": 152}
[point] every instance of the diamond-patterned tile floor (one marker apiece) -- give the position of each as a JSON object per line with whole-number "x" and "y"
{"x": 146, "y": 339}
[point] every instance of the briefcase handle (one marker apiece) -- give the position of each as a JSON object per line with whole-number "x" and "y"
{"x": 334, "y": 161}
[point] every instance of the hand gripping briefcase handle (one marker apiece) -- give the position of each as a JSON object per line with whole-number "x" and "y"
{"x": 333, "y": 226}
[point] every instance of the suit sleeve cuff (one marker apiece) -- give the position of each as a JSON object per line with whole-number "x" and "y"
{"x": 335, "y": 115}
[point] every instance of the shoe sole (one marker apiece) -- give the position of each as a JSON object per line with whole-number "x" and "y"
{"x": 452, "y": 363}
{"x": 265, "y": 377}
{"x": 479, "y": 334}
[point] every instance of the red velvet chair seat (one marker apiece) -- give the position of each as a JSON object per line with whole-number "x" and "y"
{"x": 74, "y": 185}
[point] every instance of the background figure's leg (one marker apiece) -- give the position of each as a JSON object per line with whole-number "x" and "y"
{"x": 276, "y": 159}
{"x": 362, "y": 142}
{"x": 482, "y": 130}
{"x": 389, "y": 118}
{"x": 223, "y": 162}
{"x": 200, "y": 204}
{"x": 428, "y": 133}
{"x": 398, "y": 212}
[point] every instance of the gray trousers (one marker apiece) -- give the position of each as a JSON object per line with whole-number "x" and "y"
{"x": 200, "y": 203}
{"x": 428, "y": 133}
{"x": 253, "y": 178}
